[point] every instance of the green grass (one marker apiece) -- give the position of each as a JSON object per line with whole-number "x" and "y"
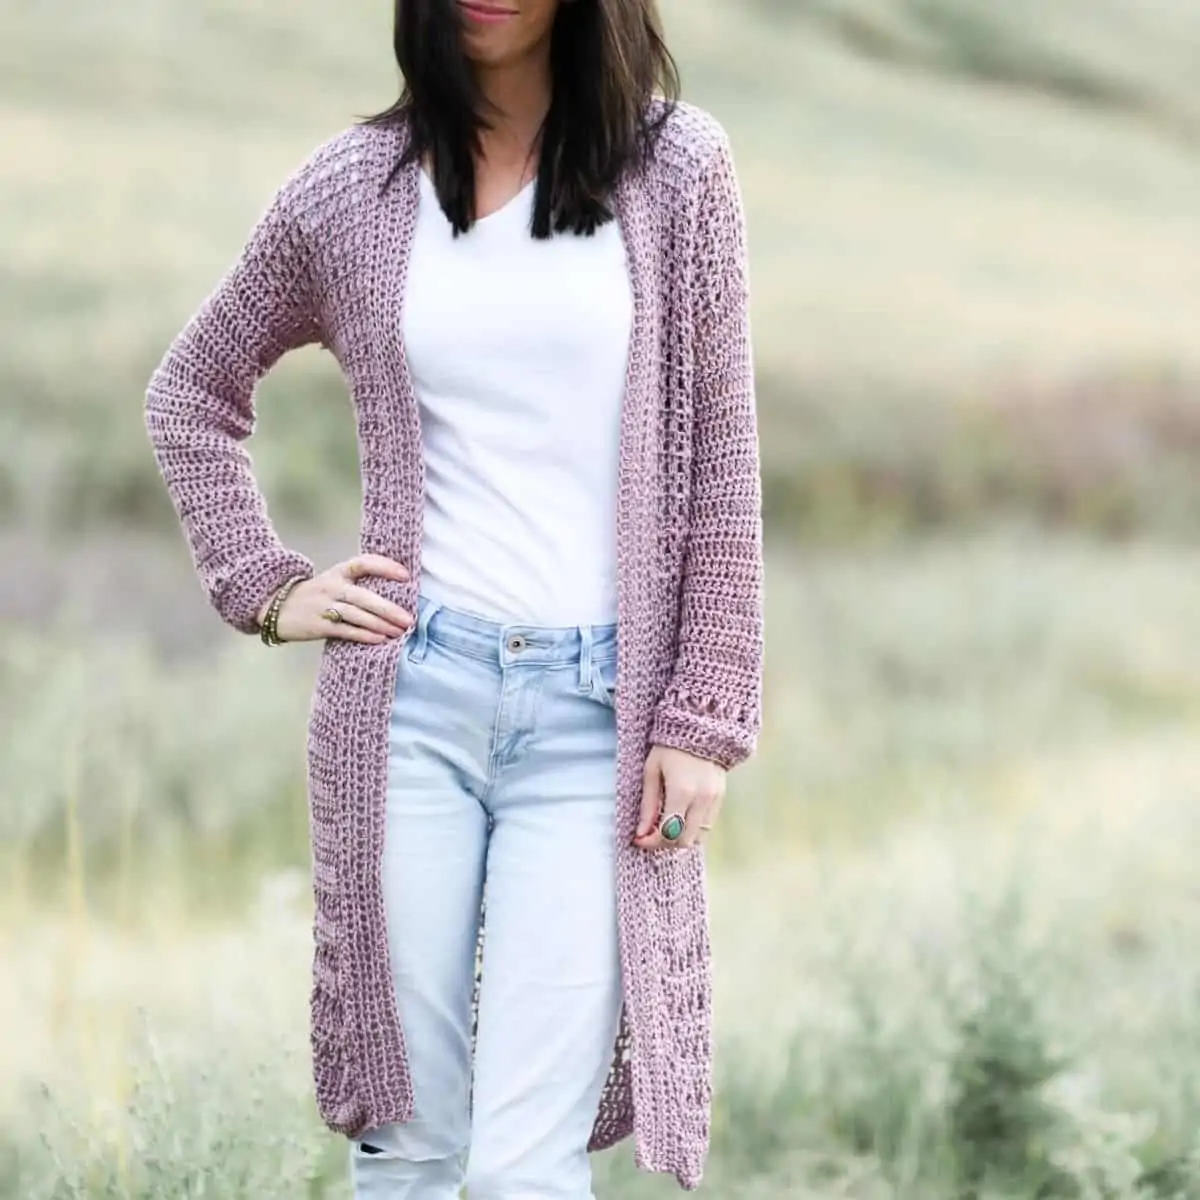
{"x": 971, "y": 1007}
{"x": 1123, "y": 56}
{"x": 953, "y": 898}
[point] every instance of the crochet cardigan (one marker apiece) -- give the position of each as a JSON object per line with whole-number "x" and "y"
{"x": 326, "y": 264}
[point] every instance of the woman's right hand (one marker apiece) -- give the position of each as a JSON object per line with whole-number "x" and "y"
{"x": 365, "y": 616}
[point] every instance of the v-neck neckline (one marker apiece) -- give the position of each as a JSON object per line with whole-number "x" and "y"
{"x": 429, "y": 192}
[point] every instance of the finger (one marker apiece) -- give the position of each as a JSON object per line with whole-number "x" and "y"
{"x": 352, "y": 633}
{"x": 652, "y": 788}
{"x": 698, "y": 821}
{"x": 647, "y": 836}
{"x": 652, "y": 841}
{"x": 391, "y": 614}
{"x": 710, "y": 815}
{"x": 677, "y": 801}
{"x": 351, "y": 614}
{"x": 375, "y": 564}
{"x": 676, "y": 809}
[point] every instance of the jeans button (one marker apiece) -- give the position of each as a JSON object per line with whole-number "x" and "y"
{"x": 516, "y": 644}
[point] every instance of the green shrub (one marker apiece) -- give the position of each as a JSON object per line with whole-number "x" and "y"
{"x": 1002, "y": 1129}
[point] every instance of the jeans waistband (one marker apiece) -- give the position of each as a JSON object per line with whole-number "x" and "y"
{"x": 506, "y": 644}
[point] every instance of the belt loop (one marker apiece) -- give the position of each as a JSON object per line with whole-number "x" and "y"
{"x": 585, "y": 658}
{"x": 426, "y": 611}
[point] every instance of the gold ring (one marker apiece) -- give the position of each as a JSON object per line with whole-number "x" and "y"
{"x": 706, "y": 828}
{"x": 332, "y": 615}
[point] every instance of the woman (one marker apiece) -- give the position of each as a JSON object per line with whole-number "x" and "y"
{"x": 532, "y": 273}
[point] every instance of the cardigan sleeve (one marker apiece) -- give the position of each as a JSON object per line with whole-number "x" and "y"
{"x": 712, "y": 704}
{"x": 200, "y": 409}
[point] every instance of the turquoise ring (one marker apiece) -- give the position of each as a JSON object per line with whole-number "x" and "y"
{"x": 672, "y": 827}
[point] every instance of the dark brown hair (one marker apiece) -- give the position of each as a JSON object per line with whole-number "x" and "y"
{"x": 609, "y": 60}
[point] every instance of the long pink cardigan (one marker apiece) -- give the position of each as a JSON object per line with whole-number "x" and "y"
{"x": 326, "y": 264}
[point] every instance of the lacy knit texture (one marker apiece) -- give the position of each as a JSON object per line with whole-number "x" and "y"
{"x": 327, "y": 264}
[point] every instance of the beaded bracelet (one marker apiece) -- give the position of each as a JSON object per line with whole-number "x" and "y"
{"x": 270, "y": 622}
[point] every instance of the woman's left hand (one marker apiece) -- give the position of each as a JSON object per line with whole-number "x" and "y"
{"x": 678, "y": 783}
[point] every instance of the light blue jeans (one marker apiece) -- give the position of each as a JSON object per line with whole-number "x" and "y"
{"x": 502, "y": 768}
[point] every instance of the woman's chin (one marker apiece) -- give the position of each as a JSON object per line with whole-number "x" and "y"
{"x": 489, "y": 51}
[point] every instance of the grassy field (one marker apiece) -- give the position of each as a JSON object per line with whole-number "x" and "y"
{"x": 999, "y": 1009}
{"x": 954, "y": 897}
{"x": 954, "y": 905}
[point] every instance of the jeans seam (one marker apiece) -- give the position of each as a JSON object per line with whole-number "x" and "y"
{"x": 529, "y": 730}
{"x": 493, "y": 751}
{"x": 452, "y": 647}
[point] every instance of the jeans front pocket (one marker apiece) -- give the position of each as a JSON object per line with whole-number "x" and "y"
{"x": 604, "y": 682}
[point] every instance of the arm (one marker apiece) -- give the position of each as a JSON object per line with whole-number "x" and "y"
{"x": 711, "y": 707}
{"x": 200, "y": 408}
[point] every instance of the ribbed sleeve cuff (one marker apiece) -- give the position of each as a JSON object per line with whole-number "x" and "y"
{"x": 715, "y": 738}
{"x": 239, "y": 601}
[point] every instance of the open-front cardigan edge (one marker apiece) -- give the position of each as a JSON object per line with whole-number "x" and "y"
{"x": 327, "y": 264}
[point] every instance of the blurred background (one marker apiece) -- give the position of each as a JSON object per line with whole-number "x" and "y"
{"x": 955, "y": 906}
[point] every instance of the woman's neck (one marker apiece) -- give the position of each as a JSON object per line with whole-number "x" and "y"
{"x": 518, "y": 96}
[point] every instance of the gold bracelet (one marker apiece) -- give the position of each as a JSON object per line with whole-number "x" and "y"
{"x": 269, "y": 629}
{"x": 284, "y": 593}
{"x": 265, "y": 629}
{"x": 270, "y": 625}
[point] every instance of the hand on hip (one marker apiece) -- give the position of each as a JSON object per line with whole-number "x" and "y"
{"x": 335, "y": 605}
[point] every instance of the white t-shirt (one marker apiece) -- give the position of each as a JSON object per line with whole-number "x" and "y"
{"x": 518, "y": 351}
